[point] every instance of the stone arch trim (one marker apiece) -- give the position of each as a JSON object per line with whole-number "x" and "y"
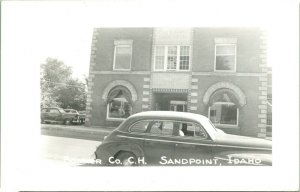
{"x": 221, "y": 85}
{"x": 115, "y": 83}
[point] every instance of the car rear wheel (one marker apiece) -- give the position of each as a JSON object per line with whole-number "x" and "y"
{"x": 127, "y": 159}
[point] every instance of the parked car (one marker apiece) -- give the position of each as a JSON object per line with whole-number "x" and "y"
{"x": 179, "y": 138}
{"x": 58, "y": 115}
{"x": 81, "y": 117}
{"x": 76, "y": 113}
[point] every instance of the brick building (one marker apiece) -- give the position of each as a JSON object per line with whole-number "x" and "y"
{"x": 217, "y": 72}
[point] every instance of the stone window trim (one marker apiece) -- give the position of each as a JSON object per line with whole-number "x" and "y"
{"x": 225, "y": 40}
{"x": 241, "y": 97}
{"x": 123, "y": 42}
{"x": 115, "y": 83}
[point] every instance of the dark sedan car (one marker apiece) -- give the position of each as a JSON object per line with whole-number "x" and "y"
{"x": 179, "y": 138}
{"x": 57, "y": 115}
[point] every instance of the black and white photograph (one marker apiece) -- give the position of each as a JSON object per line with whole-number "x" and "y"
{"x": 150, "y": 95}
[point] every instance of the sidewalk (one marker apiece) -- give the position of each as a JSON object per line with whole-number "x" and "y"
{"x": 76, "y": 129}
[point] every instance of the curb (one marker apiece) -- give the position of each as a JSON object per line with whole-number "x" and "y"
{"x": 77, "y": 130}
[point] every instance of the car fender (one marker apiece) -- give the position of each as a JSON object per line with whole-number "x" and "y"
{"x": 112, "y": 148}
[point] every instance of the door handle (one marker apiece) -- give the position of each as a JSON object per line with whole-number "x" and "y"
{"x": 176, "y": 145}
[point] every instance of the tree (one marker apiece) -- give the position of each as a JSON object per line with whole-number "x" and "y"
{"x": 58, "y": 88}
{"x": 72, "y": 95}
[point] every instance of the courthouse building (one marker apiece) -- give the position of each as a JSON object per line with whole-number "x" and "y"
{"x": 220, "y": 73}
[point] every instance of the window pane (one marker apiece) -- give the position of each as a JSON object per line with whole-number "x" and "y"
{"x": 139, "y": 127}
{"x": 122, "y": 57}
{"x": 119, "y": 107}
{"x": 160, "y": 50}
{"x": 223, "y": 114}
{"x": 184, "y": 58}
{"x": 199, "y": 131}
{"x": 172, "y": 57}
{"x": 159, "y": 57}
{"x": 225, "y": 62}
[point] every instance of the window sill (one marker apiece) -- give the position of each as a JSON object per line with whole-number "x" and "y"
{"x": 171, "y": 71}
{"x": 114, "y": 119}
{"x": 225, "y": 71}
{"x": 121, "y": 69}
{"x": 227, "y": 126}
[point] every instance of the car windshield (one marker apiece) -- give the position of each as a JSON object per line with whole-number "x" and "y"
{"x": 61, "y": 110}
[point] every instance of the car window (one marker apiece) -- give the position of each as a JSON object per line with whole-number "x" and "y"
{"x": 188, "y": 129}
{"x": 199, "y": 131}
{"x": 45, "y": 110}
{"x": 162, "y": 128}
{"x": 139, "y": 127}
{"x": 54, "y": 111}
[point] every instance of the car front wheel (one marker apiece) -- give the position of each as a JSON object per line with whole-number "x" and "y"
{"x": 127, "y": 159}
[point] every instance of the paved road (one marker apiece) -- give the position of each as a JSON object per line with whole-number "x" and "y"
{"x": 67, "y": 151}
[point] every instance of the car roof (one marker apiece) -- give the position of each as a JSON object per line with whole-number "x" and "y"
{"x": 169, "y": 114}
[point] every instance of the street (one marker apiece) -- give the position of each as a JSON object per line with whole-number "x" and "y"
{"x": 63, "y": 150}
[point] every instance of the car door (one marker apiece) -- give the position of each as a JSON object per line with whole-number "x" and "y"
{"x": 158, "y": 143}
{"x": 54, "y": 115}
{"x": 193, "y": 146}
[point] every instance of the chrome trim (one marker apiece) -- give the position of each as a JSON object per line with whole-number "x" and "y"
{"x": 162, "y": 140}
{"x": 241, "y": 147}
{"x": 215, "y": 145}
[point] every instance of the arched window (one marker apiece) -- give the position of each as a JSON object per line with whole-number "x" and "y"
{"x": 223, "y": 108}
{"x": 119, "y": 103}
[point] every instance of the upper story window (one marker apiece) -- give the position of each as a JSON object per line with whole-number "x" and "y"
{"x": 225, "y": 54}
{"x": 122, "y": 54}
{"x": 172, "y": 58}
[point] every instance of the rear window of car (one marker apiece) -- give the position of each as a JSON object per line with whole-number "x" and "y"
{"x": 139, "y": 127}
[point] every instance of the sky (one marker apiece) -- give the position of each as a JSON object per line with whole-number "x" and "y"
{"x": 63, "y": 30}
